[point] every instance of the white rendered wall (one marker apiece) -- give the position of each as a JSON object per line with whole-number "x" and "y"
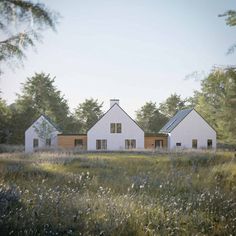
{"x": 31, "y": 134}
{"x": 193, "y": 126}
{"x": 115, "y": 141}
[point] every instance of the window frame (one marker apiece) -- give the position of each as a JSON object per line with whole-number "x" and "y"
{"x": 130, "y": 143}
{"x": 115, "y": 128}
{"x": 209, "y": 146}
{"x": 35, "y": 143}
{"x": 101, "y": 144}
{"x": 194, "y": 143}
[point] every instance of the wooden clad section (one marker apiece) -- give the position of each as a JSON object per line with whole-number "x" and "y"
{"x": 72, "y": 141}
{"x": 154, "y": 141}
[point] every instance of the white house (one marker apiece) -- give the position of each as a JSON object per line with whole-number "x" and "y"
{"x": 188, "y": 129}
{"x": 116, "y": 130}
{"x": 41, "y": 134}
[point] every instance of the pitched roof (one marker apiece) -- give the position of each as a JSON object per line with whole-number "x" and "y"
{"x": 175, "y": 120}
{"x": 115, "y": 104}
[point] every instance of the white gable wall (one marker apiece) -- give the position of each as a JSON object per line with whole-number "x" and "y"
{"x": 193, "y": 126}
{"x": 31, "y": 134}
{"x": 115, "y": 141}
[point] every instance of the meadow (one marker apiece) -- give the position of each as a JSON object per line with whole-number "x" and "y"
{"x": 67, "y": 193}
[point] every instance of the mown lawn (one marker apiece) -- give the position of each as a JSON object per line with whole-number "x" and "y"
{"x": 118, "y": 194}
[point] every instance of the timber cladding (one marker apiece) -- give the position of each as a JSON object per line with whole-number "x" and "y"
{"x": 72, "y": 141}
{"x": 153, "y": 141}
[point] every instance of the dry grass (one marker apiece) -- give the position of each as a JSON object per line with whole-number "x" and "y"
{"x": 191, "y": 193}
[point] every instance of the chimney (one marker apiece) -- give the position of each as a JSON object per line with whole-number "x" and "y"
{"x": 113, "y": 101}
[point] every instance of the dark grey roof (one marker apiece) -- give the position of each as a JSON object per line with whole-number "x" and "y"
{"x": 175, "y": 120}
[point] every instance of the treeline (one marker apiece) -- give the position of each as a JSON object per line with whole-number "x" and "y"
{"x": 216, "y": 101}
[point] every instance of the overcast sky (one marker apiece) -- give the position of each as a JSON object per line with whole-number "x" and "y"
{"x": 133, "y": 50}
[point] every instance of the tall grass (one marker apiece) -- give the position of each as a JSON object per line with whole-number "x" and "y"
{"x": 118, "y": 194}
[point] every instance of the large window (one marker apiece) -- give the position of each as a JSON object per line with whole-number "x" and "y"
{"x": 178, "y": 144}
{"x": 130, "y": 143}
{"x": 78, "y": 142}
{"x": 115, "y": 128}
{"x": 158, "y": 143}
{"x": 35, "y": 143}
{"x": 194, "y": 143}
{"x": 101, "y": 144}
{"x": 48, "y": 142}
{"x": 209, "y": 143}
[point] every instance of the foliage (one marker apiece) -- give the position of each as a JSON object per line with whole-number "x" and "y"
{"x": 43, "y": 129}
{"x": 39, "y": 96}
{"x": 217, "y": 102}
{"x": 88, "y": 113}
{"x": 21, "y": 24}
{"x": 149, "y": 118}
{"x": 230, "y": 21}
{"x": 172, "y": 104}
{"x": 174, "y": 194}
{"x": 4, "y": 119}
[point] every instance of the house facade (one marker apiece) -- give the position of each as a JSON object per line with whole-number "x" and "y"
{"x": 188, "y": 129}
{"x": 41, "y": 134}
{"x": 116, "y": 130}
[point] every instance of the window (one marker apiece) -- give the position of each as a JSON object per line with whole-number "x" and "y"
{"x": 209, "y": 143}
{"x": 178, "y": 144}
{"x": 78, "y": 142}
{"x": 48, "y": 142}
{"x": 194, "y": 143}
{"x": 35, "y": 143}
{"x": 130, "y": 143}
{"x": 115, "y": 128}
{"x": 101, "y": 144}
{"x": 158, "y": 143}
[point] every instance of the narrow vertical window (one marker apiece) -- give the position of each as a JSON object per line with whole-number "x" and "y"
{"x": 48, "y": 142}
{"x": 35, "y": 143}
{"x": 194, "y": 143}
{"x": 209, "y": 143}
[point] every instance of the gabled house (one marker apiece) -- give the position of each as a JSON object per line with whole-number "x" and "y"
{"x": 41, "y": 134}
{"x": 188, "y": 129}
{"x": 116, "y": 130}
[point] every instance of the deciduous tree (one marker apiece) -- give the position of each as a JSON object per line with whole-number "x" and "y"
{"x": 88, "y": 113}
{"x": 149, "y": 118}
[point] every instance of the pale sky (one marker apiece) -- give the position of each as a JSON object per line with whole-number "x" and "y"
{"x": 133, "y": 50}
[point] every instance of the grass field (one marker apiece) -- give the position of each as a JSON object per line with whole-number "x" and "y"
{"x": 118, "y": 194}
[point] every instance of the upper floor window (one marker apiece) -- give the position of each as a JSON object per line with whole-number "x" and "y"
{"x": 115, "y": 128}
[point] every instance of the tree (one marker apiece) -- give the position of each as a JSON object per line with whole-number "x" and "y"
{"x": 39, "y": 96}
{"x": 21, "y": 24}
{"x": 217, "y": 102}
{"x": 172, "y": 104}
{"x": 149, "y": 118}
{"x": 88, "y": 113}
{"x": 230, "y": 21}
{"x": 4, "y": 121}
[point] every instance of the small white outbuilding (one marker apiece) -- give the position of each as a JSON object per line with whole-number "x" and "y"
{"x": 41, "y": 134}
{"x": 188, "y": 129}
{"x": 116, "y": 130}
